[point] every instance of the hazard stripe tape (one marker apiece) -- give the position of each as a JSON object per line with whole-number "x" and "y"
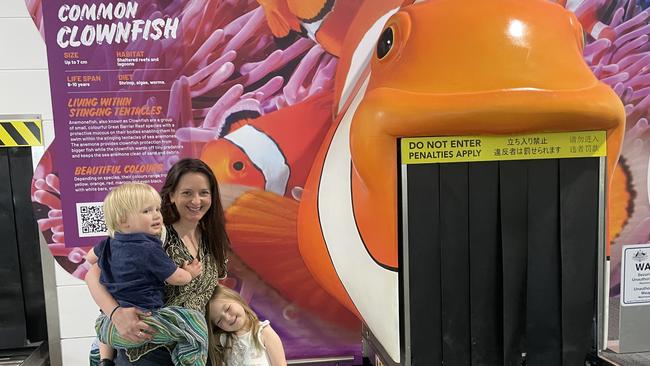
{"x": 21, "y": 133}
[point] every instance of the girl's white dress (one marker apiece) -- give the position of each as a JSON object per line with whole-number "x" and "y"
{"x": 244, "y": 352}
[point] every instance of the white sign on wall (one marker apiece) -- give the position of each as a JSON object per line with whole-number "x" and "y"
{"x": 635, "y": 281}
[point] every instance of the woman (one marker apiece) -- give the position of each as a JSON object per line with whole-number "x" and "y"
{"x": 195, "y": 226}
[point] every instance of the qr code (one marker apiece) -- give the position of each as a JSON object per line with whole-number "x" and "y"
{"x": 90, "y": 219}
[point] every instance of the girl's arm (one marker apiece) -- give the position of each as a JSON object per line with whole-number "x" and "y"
{"x": 126, "y": 320}
{"x": 274, "y": 347}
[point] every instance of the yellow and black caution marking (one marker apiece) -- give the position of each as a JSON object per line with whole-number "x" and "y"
{"x": 23, "y": 132}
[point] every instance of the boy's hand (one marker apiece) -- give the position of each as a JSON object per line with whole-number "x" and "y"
{"x": 194, "y": 268}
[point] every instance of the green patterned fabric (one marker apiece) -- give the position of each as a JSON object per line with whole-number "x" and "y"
{"x": 94, "y": 357}
{"x": 183, "y": 331}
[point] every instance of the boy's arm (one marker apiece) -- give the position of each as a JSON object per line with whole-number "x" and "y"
{"x": 179, "y": 277}
{"x": 185, "y": 274}
{"x": 274, "y": 347}
{"x": 91, "y": 257}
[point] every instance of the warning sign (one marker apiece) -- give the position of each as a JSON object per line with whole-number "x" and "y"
{"x": 21, "y": 132}
{"x": 635, "y": 275}
{"x": 454, "y": 149}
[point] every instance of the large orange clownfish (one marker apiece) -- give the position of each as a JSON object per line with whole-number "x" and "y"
{"x": 434, "y": 69}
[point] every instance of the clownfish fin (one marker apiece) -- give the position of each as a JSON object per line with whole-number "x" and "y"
{"x": 622, "y": 196}
{"x": 229, "y": 193}
{"x": 629, "y": 208}
{"x": 310, "y": 10}
{"x": 262, "y": 227}
{"x": 280, "y": 20}
{"x": 236, "y": 120}
{"x": 235, "y": 125}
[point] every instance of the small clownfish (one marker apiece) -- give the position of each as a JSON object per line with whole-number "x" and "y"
{"x": 325, "y": 21}
{"x": 264, "y": 153}
{"x": 587, "y": 14}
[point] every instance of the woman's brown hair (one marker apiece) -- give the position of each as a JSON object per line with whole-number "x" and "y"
{"x": 212, "y": 223}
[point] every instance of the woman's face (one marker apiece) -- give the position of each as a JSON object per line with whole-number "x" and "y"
{"x": 192, "y": 196}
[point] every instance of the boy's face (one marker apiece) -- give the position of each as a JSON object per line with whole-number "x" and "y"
{"x": 147, "y": 220}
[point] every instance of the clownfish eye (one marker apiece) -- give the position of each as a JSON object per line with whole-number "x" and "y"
{"x": 238, "y": 165}
{"x": 385, "y": 43}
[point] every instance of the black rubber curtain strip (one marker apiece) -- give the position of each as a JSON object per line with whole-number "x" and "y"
{"x": 485, "y": 265}
{"x": 424, "y": 264}
{"x": 454, "y": 243}
{"x": 578, "y": 232}
{"x": 543, "y": 321}
{"x": 513, "y": 178}
{"x": 12, "y": 309}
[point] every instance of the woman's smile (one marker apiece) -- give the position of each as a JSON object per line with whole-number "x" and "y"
{"x": 192, "y": 196}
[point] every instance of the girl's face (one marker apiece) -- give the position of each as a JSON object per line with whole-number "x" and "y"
{"x": 228, "y": 315}
{"x": 147, "y": 220}
{"x": 192, "y": 196}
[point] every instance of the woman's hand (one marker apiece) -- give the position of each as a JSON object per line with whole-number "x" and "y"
{"x": 130, "y": 325}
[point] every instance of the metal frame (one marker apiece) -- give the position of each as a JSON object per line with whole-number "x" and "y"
{"x": 51, "y": 304}
{"x": 602, "y": 291}
{"x": 404, "y": 271}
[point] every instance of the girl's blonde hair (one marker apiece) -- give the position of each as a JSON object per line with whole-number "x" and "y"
{"x": 124, "y": 200}
{"x": 217, "y": 351}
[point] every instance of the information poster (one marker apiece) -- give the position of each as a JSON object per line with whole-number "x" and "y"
{"x": 111, "y": 88}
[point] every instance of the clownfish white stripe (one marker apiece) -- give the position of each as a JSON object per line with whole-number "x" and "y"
{"x": 312, "y": 28}
{"x": 366, "y": 282}
{"x": 265, "y": 154}
{"x": 597, "y": 29}
{"x": 362, "y": 55}
{"x": 573, "y": 4}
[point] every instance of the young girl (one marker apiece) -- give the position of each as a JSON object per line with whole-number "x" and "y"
{"x": 237, "y": 337}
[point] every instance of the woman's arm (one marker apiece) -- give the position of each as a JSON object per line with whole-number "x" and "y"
{"x": 274, "y": 347}
{"x": 126, "y": 320}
